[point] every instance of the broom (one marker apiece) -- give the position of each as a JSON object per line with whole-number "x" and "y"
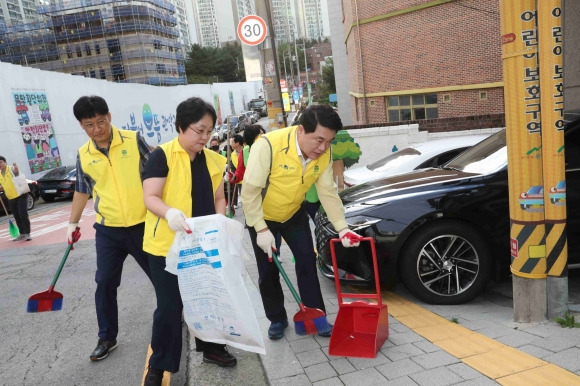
{"x": 307, "y": 321}
{"x": 13, "y": 228}
{"x": 51, "y": 300}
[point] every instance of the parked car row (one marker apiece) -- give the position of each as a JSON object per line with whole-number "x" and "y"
{"x": 444, "y": 231}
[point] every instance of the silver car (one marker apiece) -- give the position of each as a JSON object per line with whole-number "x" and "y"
{"x": 417, "y": 156}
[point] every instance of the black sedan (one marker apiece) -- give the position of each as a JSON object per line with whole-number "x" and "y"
{"x": 33, "y": 196}
{"x": 58, "y": 183}
{"x": 444, "y": 231}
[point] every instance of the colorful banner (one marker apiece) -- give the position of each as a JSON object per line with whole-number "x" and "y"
{"x": 217, "y": 107}
{"x": 552, "y": 100}
{"x": 522, "y": 105}
{"x": 35, "y": 121}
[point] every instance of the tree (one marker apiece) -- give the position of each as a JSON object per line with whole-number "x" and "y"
{"x": 345, "y": 148}
{"x": 327, "y": 84}
{"x": 211, "y": 64}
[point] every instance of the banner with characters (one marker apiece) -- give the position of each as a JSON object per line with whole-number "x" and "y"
{"x": 33, "y": 115}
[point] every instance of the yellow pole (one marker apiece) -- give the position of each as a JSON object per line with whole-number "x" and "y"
{"x": 523, "y": 133}
{"x": 552, "y": 100}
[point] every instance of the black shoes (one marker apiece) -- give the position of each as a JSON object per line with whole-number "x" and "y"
{"x": 220, "y": 357}
{"x": 276, "y": 330}
{"x": 103, "y": 348}
{"x": 153, "y": 377}
{"x": 326, "y": 334}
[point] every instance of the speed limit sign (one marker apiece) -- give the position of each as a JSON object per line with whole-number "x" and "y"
{"x": 252, "y": 30}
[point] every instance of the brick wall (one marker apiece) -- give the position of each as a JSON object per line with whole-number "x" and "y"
{"x": 452, "y": 44}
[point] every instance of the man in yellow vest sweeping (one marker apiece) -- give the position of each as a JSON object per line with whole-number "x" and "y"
{"x": 108, "y": 166}
{"x": 282, "y": 166}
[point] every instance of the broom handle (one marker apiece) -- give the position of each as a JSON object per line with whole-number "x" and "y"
{"x": 286, "y": 279}
{"x": 58, "y": 271}
{"x": 76, "y": 235}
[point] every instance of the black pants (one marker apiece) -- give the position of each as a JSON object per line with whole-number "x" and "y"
{"x": 166, "y": 337}
{"x": 296, "y": 232}
{"x": 113, "y": 244}
{"x": 19, "y": 208}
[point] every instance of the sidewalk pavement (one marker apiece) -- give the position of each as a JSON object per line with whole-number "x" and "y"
{"x": 471, "y": 344}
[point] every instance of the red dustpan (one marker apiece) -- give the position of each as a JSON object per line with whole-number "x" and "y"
{"x": 361, "y": 327}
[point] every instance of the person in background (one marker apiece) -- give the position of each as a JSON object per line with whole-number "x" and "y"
{"x": 281, "y": 168}
{"x": 237, "y": 148}
{"x": 108, "y": 167}
{"x": 214, "y": 144}
{"x": 18, "y": 203}
{"x": 182, "y": 179}
{"x": 311, "y": 202}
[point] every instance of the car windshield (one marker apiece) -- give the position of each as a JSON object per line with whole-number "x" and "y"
{"x": 394, "y": 159}
{"x": 257, "y": 104}
{"x": 486, "y": 157}
{"x": 234, "y": 120}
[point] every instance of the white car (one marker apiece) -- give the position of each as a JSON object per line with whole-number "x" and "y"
{"x": 417, "y": 156}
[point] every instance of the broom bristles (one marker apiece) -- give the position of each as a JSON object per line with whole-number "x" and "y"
{"x": 13, "y": 229}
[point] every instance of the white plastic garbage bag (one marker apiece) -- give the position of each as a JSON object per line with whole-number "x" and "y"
{"x": 209, "y": 264}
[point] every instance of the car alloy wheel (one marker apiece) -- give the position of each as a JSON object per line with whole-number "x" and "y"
{"x": 446, "y": 263}
{"x": 29, "y": 202}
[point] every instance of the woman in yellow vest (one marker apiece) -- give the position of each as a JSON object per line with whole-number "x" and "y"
{"x": 181, "y": 179}
{"x": 18, "y": 202}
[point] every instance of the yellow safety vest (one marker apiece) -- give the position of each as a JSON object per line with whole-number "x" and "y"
{"x": 287, "y": 185}
{"x": 6, "y": 182}
{"x": 117, "y": 187}
{"x": 177, "y": 194}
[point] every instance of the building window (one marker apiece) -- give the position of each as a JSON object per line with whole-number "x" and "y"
{"x": 93, "y": 73}
{"x": 411, "y": 107}
{"x": 102, "y": 73}
{"x": 483, "y": 95}
{"x": 69, "y": 52}
{"x": 79, "y": 52}
{"x": 446, "y": 98}
{"x": 88, "y": 49}
{"x": 97, "y": 49}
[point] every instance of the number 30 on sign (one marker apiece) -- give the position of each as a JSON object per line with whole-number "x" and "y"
{"x": 252, "y": 30}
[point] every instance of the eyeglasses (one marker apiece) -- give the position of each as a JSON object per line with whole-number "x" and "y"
{"x": 202, "y": 133}
{"x": 101, "y": 123}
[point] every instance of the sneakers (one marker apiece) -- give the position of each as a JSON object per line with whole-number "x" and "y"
{"x": 220, "y": 357}
{"x": 103, "y": 348}
{"x": 153, "y": 377}
{"x": 27, "y": 237}
{"x": 19, "y": 237}
{"x": 276, "y": 330}
{"x": 326, "y": 334}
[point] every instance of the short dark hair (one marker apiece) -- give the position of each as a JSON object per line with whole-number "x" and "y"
{"x": 192, "y": 110}
{"x": 214, "y": 139}
{"x": 239, "y": 139}
{"x": 250, "y": 134}
{"x": 323, "y": 115}
{"x": 2, "y": 158}
{"x": 90, "y": 106}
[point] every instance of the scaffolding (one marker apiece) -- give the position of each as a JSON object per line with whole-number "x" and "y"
{"x": 120, "y": 41}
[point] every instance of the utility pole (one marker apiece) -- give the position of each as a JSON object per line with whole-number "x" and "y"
{"x": 271, "y": 78}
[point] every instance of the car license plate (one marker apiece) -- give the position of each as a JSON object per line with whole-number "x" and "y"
{"x": 49, "y": 191}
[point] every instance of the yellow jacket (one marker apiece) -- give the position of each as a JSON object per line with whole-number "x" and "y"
{"x": 117, "y": 187}
{"x": 6, "y": 182}
{"x": 177, "y": 194}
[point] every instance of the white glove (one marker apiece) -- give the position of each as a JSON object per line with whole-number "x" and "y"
{"x": 176, "y": 220}
{"x": 72, "y": 226}
{"x": 230, "y": 177}
{"x": 267, "y": 242}
{"x": 349, "y": 238}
